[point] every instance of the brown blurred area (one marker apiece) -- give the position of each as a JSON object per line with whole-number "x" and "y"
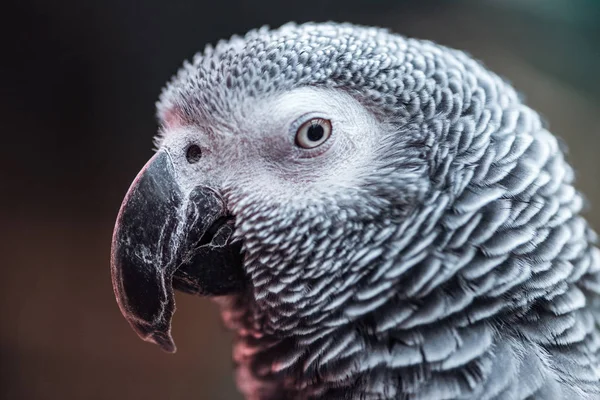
{"x": 77, "y": 103}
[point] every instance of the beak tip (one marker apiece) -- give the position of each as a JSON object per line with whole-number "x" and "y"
{"x": 163, "y": 340}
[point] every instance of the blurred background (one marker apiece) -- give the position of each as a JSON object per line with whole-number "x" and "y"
{"x": 79, "y": 82}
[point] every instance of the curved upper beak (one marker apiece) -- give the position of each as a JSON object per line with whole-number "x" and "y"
{"x": 166, "y": 237}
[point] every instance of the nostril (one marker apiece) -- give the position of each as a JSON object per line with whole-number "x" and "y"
{"x": 193, "y": 154}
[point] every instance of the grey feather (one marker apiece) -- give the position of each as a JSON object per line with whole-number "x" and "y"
{"x": 455, "y": 266}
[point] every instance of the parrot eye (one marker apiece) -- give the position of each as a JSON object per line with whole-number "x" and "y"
{"x": 313, "y": 133}
{"x": 193, "y": 154}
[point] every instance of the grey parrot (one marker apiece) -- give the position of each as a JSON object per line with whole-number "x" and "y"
{"x": 378, "y": 217}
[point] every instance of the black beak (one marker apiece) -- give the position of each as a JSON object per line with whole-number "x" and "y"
{"x": 165, "y": 238}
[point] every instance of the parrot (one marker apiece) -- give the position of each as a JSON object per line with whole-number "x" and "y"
{"x": 375, "y": 216}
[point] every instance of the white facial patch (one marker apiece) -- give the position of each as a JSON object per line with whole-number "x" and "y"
{"x": 277, "y": 163}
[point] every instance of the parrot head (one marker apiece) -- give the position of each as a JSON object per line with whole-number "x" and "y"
{"x": 323, "y": 173}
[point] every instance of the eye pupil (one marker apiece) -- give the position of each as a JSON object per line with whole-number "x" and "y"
{"x": 315, "y": 133}
{"x": 193, "y": 154}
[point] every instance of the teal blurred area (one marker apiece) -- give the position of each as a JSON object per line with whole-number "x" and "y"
{"x": 556, "y": 37}
{"x": 77, "y": 112}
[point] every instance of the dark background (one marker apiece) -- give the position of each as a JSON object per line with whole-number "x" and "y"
{"x": 78, "y": 85}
